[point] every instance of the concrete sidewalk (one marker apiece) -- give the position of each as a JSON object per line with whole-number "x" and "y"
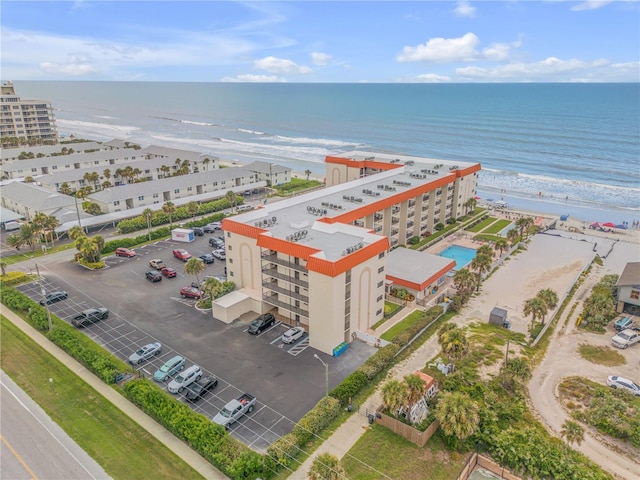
{"x": 202, "y": 466}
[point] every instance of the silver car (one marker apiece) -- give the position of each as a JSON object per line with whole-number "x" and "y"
{"x": 145, "y": 353}
{"x": 615, "y": 382}
{"x": 186, "y": 378}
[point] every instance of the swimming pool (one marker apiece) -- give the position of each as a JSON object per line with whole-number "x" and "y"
{"x": 462, "y": 255}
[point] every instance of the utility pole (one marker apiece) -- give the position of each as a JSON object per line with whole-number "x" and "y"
{"x": 44, "y": 297}
{"x": 75, "y": 197}
{"x": 506, "y": 359}
{"x": 326, "y": 374}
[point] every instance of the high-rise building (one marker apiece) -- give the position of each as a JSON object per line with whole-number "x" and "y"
{"x": 25, "y": 122}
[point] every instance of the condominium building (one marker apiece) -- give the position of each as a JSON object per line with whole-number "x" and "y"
{"x": 320, "y": 259}
{"x": 25, "y": 121}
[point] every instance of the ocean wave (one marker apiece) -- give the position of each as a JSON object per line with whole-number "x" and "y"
{"x": 108, "y": 117}
{"x": 91, "y": 129}
{"x": 316, "y": 141}
{"x": 253, "y": 132}
{"x": 187, "y": 122}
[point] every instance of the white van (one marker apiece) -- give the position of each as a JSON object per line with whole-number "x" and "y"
{"x": 11, "y": 226}
{"x": 244, "y": 208}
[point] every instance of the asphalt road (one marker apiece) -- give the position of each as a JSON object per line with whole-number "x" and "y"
{"x": 286, "y": 379}
{"x": 33, "y": 446}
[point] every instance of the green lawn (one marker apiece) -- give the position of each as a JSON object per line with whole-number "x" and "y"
{"x": 381, "y": 450}
{"x": 402, "y": 325}
{"x": 482, "y": 225}
{"x": 601, "y": 355}
{"x": 497, "y": 227}
{"x": 123, "y": 448}
{"x": 296, "y": 185}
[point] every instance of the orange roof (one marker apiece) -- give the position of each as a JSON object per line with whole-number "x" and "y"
{"x": 335, "y": 268}
{"x": 427, "y": 379}
{"x": 421, "y": 286}
{"x": 361, "y": 163}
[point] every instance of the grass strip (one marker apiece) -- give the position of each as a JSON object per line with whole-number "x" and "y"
{"x": 482, "y": 225}
{"x": 123, "y": 448}
{"x": 402, "y": 325}
{"x": 497, "y": 227}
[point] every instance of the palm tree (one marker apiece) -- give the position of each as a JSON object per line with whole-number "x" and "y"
{"x": 195, "y": 266}
{"x": 458, "y": 414}
{"x": 37, "y": 222}
{"x": 512, "y": 236}
{"x": 454, "y": 343}
{"x": 193, "y": 208}
{"x": 3, "y": 267}
{"x": 169, "y": 209}
{"x": 470, "y": 205}
{"x": 107, "y": 174}
{"x": 28, "y": 234}
{"x": 393, "y": 396}
{"x": 326, "y": 467}
{"x": 205, "y": 163}
{"x": 572, "y": 432}
{"x": 416, "y": 388}
{"x": 465, "y": 283}
{"x": 15, "y": 241}
{"x": 165, "y": 170}
{"x": 481, "y": 264}
{"x": 76, "y": 232}
{"x": 536, "y": 308}
{"x": 65, "y": 189}
{"x": 212, "y": 287}
{"x": 516, "y": 369}
{"x": 549, "y": 297}
{"x": 147, "y": 213}
{"x": 232, "y": 198}
{"x": 50, "y": 225}
{"x": 307, "y": 172}
{"x": 485, "y": 250}
{"x": 523, "y": 224}
{"x": 501, "y": 245}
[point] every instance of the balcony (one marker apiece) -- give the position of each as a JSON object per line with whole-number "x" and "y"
{"x": 273, "y": 272}
{"x": 274, "y": 287}
{"x": 273, "y": 300}
{"x": 285, "y": 263}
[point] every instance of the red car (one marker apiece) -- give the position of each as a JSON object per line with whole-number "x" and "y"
{"x": 169, "y": 272}
{"x": 190, "y": 292}
{"x": 181, "y": 254}
{"x": 124, "y": 252}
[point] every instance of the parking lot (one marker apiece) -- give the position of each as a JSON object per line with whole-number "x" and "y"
{"x": 286, "y": 379}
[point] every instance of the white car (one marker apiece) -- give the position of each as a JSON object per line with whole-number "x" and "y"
{"x": 615, "y": 381}
{"x": 220, "y": 254}
{"x": 293, "y": 335}
{"x": 144, "y": 353}
{"x": 186, "y": 378}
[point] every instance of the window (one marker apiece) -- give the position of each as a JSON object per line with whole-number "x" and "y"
{"x": 117, "y": 202}
{"x": 189, "y": 189}
{"x": 381, "y": 269}
{"x": 381, "y": 255}
{"x": 177, "y": 190}
{"x": 140, "y": 198}
{"x": 379, "y": 298}
{"x": 230, "y": 248}
{"x": 155, "y": 195}
{"x": 230, "y": 260}
{"x": 231, "y": 274}
{"x": 379, "y": 312}
{"x": 635, "y": 295}
{"x": 380, "y": 283}
{"x": 228, "y": 234}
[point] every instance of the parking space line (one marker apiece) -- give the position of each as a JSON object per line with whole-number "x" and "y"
{"x": 299, "y": 347}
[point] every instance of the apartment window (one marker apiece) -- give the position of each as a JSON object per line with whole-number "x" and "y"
{"x": 117, "y": 202}
{"x": 189, "y": 189}
{"x": 297, "y": 290}
{"x": 379, "y": 312}
{"x": 231, "y": 274}
{"x": 231, "y": 260}
{"x": 155, "y": 195}
{"x": 34, "y": 170}
{"x": 381, "y": 269}
{"x": 177, "y": 190}
{"x": 379, "y": 298}
{"x": 228, "y": 234}
{"x": 215, "y": 184}
{"x": 380, "y": 283}
{"x": 54, "y": 167}
{"x": 96, "y": 162}
{"x": 230, "y": 248}
{"x": 635, "y": 295}
{"x": 381, "y": 255}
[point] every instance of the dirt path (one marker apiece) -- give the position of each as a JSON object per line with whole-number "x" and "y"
{"x": 563, "y": 360}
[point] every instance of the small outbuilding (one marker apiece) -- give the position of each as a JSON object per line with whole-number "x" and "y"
{"x": 182, "y": 235}
{"x": 498, "y": 316}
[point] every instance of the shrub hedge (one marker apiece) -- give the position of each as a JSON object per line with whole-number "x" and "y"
{"x": 207, "y": 438}
{"x": 316, "y": 419}
{"x": 404, "y": 337}
{"x": 14, "y": 278}
{"x": 284, "y": 450}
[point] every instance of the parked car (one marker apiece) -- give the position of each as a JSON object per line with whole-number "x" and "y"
{"x": 622, "y": 324}
{"x": 89, "y": 316}
{"x": 235, "y": 409}
{"x": 293, "y": 335}
{"x": 212, "y": 227}
{"x": 626, "y": 338}
{"x": 145, "y": 353}
{"x": 125, "y": 252}
{"x": 54, "y": 297}
{"x": 615, "y": 382}
{"x": 207, "y": 258}
{"x": 182, "y": 254}
{"x": 190, "y": 292}
{"x": 220, "y": 254}
{"x": 198, "y": 389}
{"x": 157, "y": 264}
{"x": 153, "y": 276}
{"x": 184, "y": 379}
{"x": 169, "y": 272}
{"x": 261, "y": 323}
{"x": 216, "y": 242}
{"x": 169, "y": 369}
{"x": 198, "y": 231}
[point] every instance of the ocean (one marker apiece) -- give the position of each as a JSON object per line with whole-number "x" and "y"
{"x": 567, "y": 148}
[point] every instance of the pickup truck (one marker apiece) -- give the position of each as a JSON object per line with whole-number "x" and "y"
{"x": 626, "y": 338}
{"x": 89, "y": 316}
{"x": 235, "y": 409}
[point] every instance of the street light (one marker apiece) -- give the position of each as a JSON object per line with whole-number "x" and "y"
{"x": 44, "y": 297}
{"x": 326, "y": 374}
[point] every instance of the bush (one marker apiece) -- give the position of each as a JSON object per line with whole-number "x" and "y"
{"x": 316, "y": 419}
{"x": 38, "y": 317}
{"x": 92, "y": 265}
{"x": 404, "y": 337}
{"x": 16, "y": 300}
{"x": 439, "y": 226}
{"x": 14, "y": 278}
{"x": 284, "y": 450}
{"x": 351, "y": 385}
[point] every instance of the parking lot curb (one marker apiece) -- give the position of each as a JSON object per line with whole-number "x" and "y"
{"x": 198, "y": 463}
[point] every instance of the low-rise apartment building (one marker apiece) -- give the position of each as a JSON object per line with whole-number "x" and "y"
{"x": 320, "y": 259}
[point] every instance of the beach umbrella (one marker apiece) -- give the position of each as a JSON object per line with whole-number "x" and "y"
{"x": 595, "y": 225}
{"x": 623, "y": 227}
{"x": 477, "y": 198}
{"x": 609, "y": 224}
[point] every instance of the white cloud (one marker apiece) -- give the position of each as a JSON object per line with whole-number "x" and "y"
{"x": 442, "y": 50}
{"x": 553, "y": 69}
{"x": 447, "y": 50}
{"x": 280, "y": 65}
{"x": 248, "y": 77}
{"x": 590, "y": 5}
{"x": 430, "y": 78}
{"x": 464, "y": 9}
{"x": 68, "y": 69}
{"x": 320, "y": 58}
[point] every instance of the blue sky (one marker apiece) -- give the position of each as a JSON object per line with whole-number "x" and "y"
{"x": 331, "y": 41}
